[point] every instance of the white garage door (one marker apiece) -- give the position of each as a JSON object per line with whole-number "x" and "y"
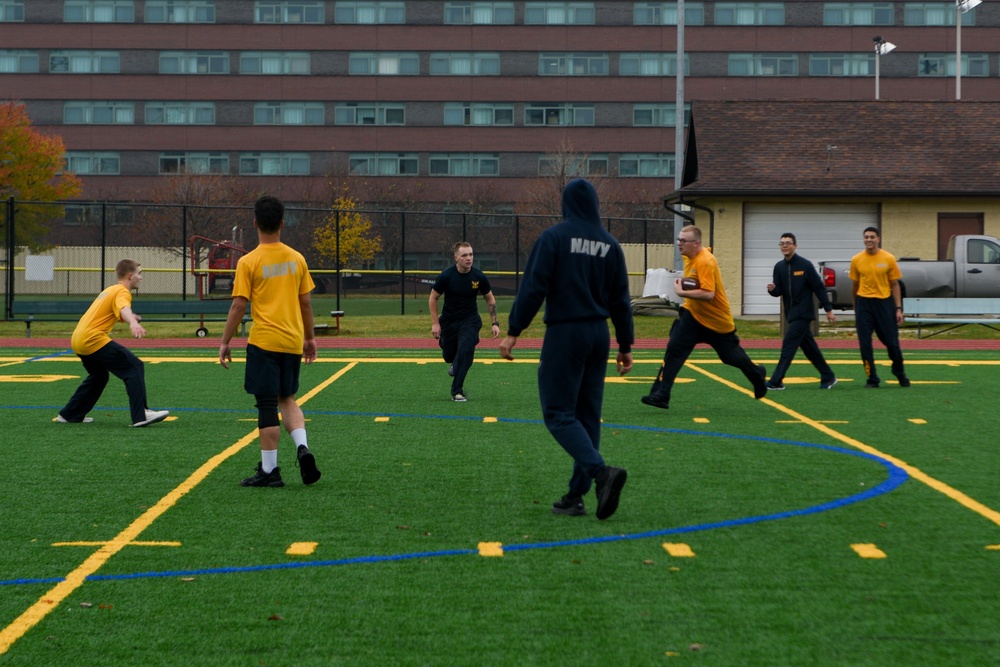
{"x": 824, "y": 232}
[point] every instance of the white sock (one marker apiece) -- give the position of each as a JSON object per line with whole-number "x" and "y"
{"x": 268, "y": 459}
{"x": 299, "y": 437}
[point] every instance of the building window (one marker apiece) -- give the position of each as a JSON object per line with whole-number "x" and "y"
{"x": 84, "y": 62}
{"x": 842, "y": 64}
{"x": 388, "y": 64}
{"x": 458, "y": 113}
{"x": 650, "y": 64}
{"x": 464, "y": 164}
{"x": 475, "y": 64}
{"x": 383, "y": 164}
{"x": 573, "y": 64}
{"x": 194, "y": 163}
{"x": 289, "y": 113}
{"x": 99, "y": 113}
{"x": 274, "y": 62}
{"x": 592, "y": 165}
{"x": 99, "y": 11}
{"x": 658, "y": 115}
{"x": 934, "y": 14}
{"x": 77, "y": 215}
{"x": 763, "y": 64}
{"x": 18, "y": 62}
{"x": 646, "y": 165}
{"x": 11, "y": 10}
{"x": 194, "y": 62}
{"x": 100, "y": 163}
{"x": 479, "y": 13}
{"x": 750, "y": 13}
{"x": 559, "y": 13}
{"x": 288, "y": 11}
{"x": 943, "y": 64}
{"x": 665, "y": 13}
{"x": 558, "y": 114}
{"x": 858, "y": 13}
{"x": 369, "y": 113}
{"x": 180, "y": 11}
{"x": 180, "y": 113}
{"x": 370, "y": 12}
{"x": 274, "y": 164}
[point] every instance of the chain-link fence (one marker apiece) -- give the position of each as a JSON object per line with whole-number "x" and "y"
{"x": 70, "y": 248}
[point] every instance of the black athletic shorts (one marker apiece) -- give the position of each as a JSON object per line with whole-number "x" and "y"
{"x": 271, "y": 373}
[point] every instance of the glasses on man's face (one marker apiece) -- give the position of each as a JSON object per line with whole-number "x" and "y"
{"x": 785, "y": 243}
{"x": 682, "y": 241}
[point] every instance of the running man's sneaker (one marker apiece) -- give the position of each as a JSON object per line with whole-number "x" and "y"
{"x": 903, "y": 381}
{"x": 760, "y": 386}
{"x": 459, "y": 398}
{"x": 152, "y": 416}
{"x": 775, "y": 386}
{"x": 62, "y": 420}
{"x": 262, "y": 478}
{"x": 828, "y": 385}
{"x": 656, "y": 400}
{"x": 569, "y": 505}
{"x": 307, "y": 465}
{"x": 451, "y": 370}
{"x": 872, "y": 384}
{"x": 609, "y": 489}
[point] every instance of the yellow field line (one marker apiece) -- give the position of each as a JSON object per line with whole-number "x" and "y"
{"x": 51, "y": 599}
{"x": 913, "y": 472}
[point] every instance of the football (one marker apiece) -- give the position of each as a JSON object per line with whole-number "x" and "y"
{"x": 689, "y": 283}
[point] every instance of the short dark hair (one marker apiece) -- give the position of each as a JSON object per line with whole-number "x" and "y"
{"x": 268, "y": 212}
{"x": 789, "y": 235}
{"x": 872, "y": 229}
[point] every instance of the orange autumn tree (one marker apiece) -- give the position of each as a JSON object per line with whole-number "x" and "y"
{"x": 358, "y": 244}
{"x": 31, "y": 169}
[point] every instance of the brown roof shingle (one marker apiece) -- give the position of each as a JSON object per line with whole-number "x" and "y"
{"x": 842, "y": 149}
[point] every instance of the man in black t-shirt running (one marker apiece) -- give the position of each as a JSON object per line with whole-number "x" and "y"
{"x": 457, "y": 330}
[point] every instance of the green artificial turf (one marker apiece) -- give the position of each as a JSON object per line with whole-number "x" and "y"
{"x": 769, "y": 496}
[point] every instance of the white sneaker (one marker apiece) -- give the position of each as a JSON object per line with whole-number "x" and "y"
{"x": 451, "y": 370}
{"x": 62, "y": 420}
{"x": 458, "y": 398}
{"x": 153, "y": 416}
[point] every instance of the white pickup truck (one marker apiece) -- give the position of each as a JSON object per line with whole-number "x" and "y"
{"x": 971, "y": 270}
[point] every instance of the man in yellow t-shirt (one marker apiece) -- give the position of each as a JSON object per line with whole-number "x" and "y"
{"x": 878, "y": 306}
{"x": 275, "y": 279}
{"x": 704, "y": 318}
{"x": 102, "y": 356}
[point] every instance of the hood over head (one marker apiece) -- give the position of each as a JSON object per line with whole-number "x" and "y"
{"x": 579, "y": 202}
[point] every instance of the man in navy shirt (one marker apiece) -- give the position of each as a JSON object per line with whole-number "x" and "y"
{"x": 795, "y": 281}
{"x": 457, "y": 330}
{"x": 578, "y": 269}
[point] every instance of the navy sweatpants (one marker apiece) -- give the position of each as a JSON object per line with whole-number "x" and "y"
{"x": 116, "y": 359}
{"x": 458, "y": 346}
{"x": 798, "y": 334}
{"x": 878, "y": 315}
{"x": 571, "y": 372}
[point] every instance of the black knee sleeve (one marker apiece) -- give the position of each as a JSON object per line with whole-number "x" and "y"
{"x": 267, "y": 411}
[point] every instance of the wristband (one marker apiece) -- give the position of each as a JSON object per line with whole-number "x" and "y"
{"x": 899, "y": 308}
{"x": 495, "y": 324}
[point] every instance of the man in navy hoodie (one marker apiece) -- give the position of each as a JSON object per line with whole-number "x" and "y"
{"x": 578, "y": 269}
{"x": 795, "y": 281}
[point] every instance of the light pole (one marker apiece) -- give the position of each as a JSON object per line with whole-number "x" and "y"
{"x": 961, "y": 7}
{"x": 882, "y": 47}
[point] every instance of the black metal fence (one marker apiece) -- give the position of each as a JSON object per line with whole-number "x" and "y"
{"x": 70, "y": 248}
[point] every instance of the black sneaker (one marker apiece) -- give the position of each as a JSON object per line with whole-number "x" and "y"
{"x": 903, "y": 381}
{"x": 609, "y": 490}
{"x": 760, "y": 386}
{"x": 451, "y": 370}
{"x": 828, "y": 385}
{"x": 306, "y": 463}
{"x": 656, "y": 400}
{"x": 262, "y": 478}
{"x": 872, "y": 384}
{"x": 569, "y": 505}
{"x": 775, "y": 386}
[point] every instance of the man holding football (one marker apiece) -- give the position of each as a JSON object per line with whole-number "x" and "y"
{"x": 705, "y": 317}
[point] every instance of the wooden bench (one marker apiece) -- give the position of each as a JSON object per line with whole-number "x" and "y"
{"x": 150, "y": 310}
{"x": 957, "y": 312}
{"x": 336, "y": 315}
